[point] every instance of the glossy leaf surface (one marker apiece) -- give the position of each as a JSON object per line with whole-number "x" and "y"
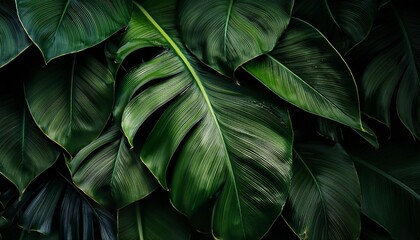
{"x": 224, "y": 34}
{"x": 110, "y": 173}
{"x": 25, "y": 151}
{"x": 305, "y": 70}
{"x": 13, "y": 38}
{"x": 390, "y": 57}
{"x": 324, "y": 200}
{"x": 59, "y": 27}
{"x": 71, "y": 100}
{"x": 229, "y": 140}
{"x": 389, "y": 178}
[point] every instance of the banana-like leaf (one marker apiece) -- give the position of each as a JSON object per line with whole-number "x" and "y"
{"x": 345, "y": 23}
{"x": 324, "y": 200}
{"x": 25, "y": 151}
{"x": 224, "y": 34}
{"x": 305, "y": 70}
{"x": 110, "y": 173}
{"x": 59, "y": 27}
{"x": 153, "y": 219}
{"x": 13, "y": 39}
{"x": 389, "y": 181}
{"x": 57, "y": 204}
{"x": 71, "y": 100}
{"x": 223, "y": 139}
{"x": 391, "y": 63}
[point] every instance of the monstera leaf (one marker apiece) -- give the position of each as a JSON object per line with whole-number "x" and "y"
{"x": 224, "y": 140}
{"x": 345, "y": 23}
{"x": 324, "y": 200}
{"x": 59, "y": 27}
{"x": 154, "y": 219}
{"x": 25, "y": 151}
{"x": 109, "y": 172}
{"x": 225, "y": 33}
{"x": 71, "y": 100}
{"x": 13, "y": 39}
{"x": 388, "y": 178}
{"x": 391, "y": 63}
{"x": 57, "y": 205}
{"x": 305, "y": 70}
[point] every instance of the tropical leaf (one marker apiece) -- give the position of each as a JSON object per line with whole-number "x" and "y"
{"x": 345, "y": 23}
{"x": 59, "y": 27}
{"x": 13, "y": 39}
{"x": 305, "y": 70}
{"x": 71, "y": 100}
{"x": 324, "y": 200}
{"x": 110, "y": 173}
{"x": 56, "y": 204}
{"x": 25, "y": 151}
{"x": 224, "y": 34}
{"x": 390, "y": 57}
{"x": 389, "y": 181}
{"x": 223, "y": 139}
{"x": 153, "y": 219}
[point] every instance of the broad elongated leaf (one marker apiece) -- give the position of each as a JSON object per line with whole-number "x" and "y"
{"x": 56, "y": 204}
{"x": 110, "y": 173}
{"x": 25, "y": 151}
{"x": 305, "y": 70}
{"x": 13, "y": 39}
{"x": 390, "y": 57}
{"x": 389, "y": 181}
{"x": 71, "y": 100}
{"x": 153, "y": 219}
{"x": 345, "y": 23}
{"x": 59, "y": 27}
{"x": 226, "y": 33}
{"x": 325, "y": 194}
{"x": 230, "y": 143}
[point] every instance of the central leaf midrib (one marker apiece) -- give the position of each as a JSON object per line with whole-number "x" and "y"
{"x": 62, "y": 17}
{"x": 71, "y": 95}
{"x": 200, "y": 85}
{"x": 229, "y": 13}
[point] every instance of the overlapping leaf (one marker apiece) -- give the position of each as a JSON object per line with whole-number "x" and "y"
{"x": 71, "y": 100}
{"x": 59, "y": 27}
{"x": 25, "y": 151}
{"x": 109, "y": 172}
{"x": 389, "y": 181}
{"x": 13, "y": 39}
{"x": 153, "y": 219}
{"x": 224, "y": 140}
{"x": 390, "y": 57}
{"x": 325, "y": 194}
{"x": 226, "y": 33}
{"x": 305, "y": 70}
{"x": 345, "y": 23}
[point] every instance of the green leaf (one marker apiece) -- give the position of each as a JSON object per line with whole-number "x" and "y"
{"x": 389, "y": 181}
{"x": 345, "y": 23}
{"x": 71, "y": 100}
{"x": 25, "y": 151}
{"x": 305, "y": 70}
{"x": 153, "y": 219}
{"x": 391, "y": 63}
{"x": 13, "y": 39}
{"x": 225, "y": 34}
{"x": 224, "y": 140}
{"x": 56, "y": 204}
{"x": 110, "y": 173}
{"x": 324, "y": 200}
{"x": 59, "y": 27}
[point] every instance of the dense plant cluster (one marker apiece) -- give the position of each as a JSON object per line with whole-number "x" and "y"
{"x": 199, "y": 119}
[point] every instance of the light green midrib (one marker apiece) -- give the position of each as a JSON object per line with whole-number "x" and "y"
{"x": 388, "y": 177}
{"x": 62, "y": 16}
{"x": 178, "y": 51}
{"x": 317, "y": 186}
{"x": 139, "y": 222}
{"x": 71, "y": 95}
{"x": 226, "y": 28}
